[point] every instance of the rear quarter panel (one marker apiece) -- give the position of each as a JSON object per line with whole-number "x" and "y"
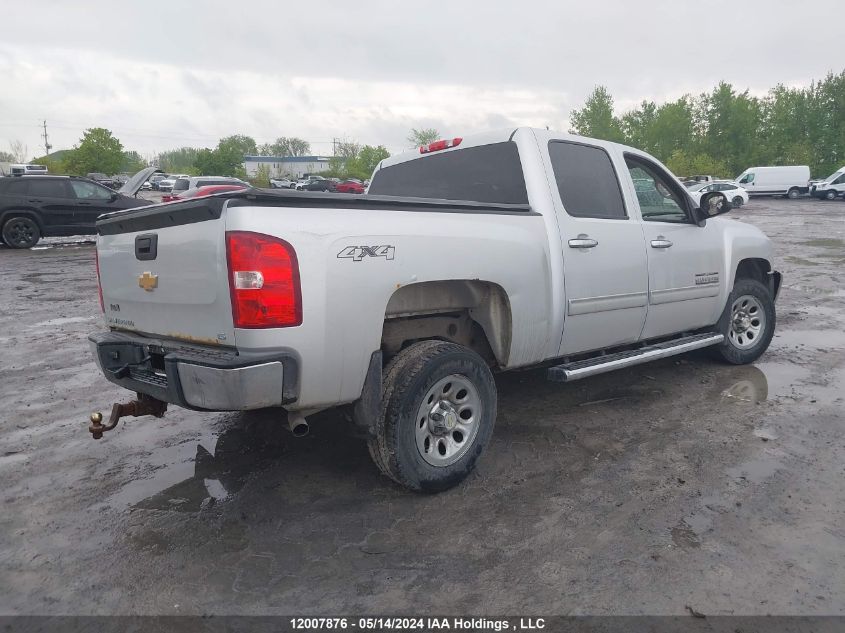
{"x": 344, "y": 300}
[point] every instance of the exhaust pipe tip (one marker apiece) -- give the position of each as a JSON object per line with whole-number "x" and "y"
{"x": 298, "y": 425}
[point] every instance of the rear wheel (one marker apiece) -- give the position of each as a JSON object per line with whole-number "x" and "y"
{"x": 793, "y": 193}
{"x": 748, "y": 323}
{"x": 21, "y": 232}
{"x": 437, "y": 415}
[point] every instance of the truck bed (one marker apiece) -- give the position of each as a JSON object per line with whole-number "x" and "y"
{"x": 210, "y": 208}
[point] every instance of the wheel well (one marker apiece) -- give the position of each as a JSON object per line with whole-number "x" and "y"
{"x": 756, "y": 268}
{"x": 472, "y": 313}
{"x": 21, "y": 213}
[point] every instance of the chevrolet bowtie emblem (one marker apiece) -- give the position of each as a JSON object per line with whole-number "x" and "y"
{"x": 148, "y": 281}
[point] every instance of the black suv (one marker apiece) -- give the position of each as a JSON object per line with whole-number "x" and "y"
{"x": 32, "y": 207}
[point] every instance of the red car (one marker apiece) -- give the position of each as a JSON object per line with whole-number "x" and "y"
{"x": 199, "y": 192}
{"x": 349, "y": 186}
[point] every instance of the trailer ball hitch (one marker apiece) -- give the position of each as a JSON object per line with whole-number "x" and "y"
{"x": 144, "y": 405}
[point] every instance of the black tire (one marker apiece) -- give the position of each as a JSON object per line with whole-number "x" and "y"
{"x": 830, "y": 194}
{"x": 730, "y": 350}
{"x": 737, "y": 202}
{"x": 408, "y": 378}
{"x": 793, "y": 193}
{"x": 21, "y": 231}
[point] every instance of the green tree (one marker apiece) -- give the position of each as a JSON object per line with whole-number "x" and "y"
{"x": 245, "y": 145}
{"x": 6, "y": 157}
{"x": 132, "y": 162}
{"x": 682, "y": 164}
{"x": 362, "y": 165}
{"x": 286, "y": 146}
{"x": 262, "y": 176}
{"x": 98, "y": 151}
{"x": 422, "y": 136}
{"x": 596, "y": 118}
{"x": 226, "y": 159}
{"x": 178, "y": 161}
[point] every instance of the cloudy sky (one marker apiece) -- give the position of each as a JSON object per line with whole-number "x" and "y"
{"x": 165, "y": 75}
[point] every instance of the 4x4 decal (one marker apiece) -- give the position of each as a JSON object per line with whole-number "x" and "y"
{"x": 357, "y": 253}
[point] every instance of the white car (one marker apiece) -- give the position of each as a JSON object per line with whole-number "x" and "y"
{"x": 282, "y": 183}
{"x": 830, "y": 187}
{"x": 732, "y": 191}
{"x": 167, "y": 183}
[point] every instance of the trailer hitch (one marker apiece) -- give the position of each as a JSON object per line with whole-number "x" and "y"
{"x": 144, "y": 405}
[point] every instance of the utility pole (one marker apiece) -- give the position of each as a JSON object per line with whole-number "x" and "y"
{"x": 47, "y": 146}
{"x": 334, "y": 146}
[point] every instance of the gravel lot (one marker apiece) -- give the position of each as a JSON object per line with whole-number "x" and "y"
{"x": 684, "y": 482}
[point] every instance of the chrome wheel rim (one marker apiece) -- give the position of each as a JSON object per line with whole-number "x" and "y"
{"x": 748, "y": 322}
{"x": 447, "y": 420}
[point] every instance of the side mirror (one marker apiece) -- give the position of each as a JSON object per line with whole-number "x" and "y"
{"x": 713, "y": 204}
{"x": 114, "y": 196}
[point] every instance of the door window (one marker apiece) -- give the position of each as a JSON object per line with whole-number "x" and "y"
{"x": 586, "y": 181}
{"x": 839, "y": 181}
{"x": 747, "y": 178}
{"x": 89, "y": 191}
{"x": 659, "y": 197}
{"x": 47, "y": 188}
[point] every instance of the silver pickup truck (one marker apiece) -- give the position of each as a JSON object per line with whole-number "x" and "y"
{"x": 467, "y": 257}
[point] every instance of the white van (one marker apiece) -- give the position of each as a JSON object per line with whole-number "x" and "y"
{"x": 830, "y": 187}
{"x": 789, "y": 180}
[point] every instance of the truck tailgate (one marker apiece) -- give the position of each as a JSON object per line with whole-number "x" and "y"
{"x": 165, "y": 277}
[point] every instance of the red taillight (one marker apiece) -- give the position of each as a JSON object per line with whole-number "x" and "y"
{"x": 436, "y": 146}
{"x": 99, "y": 285}
{"x": 263, "y": 281}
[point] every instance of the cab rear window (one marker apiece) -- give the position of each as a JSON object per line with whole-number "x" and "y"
{"x": 487, "y": 173}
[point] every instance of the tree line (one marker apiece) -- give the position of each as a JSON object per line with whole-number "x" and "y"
{"x": 724, "y": 131}
{"x": 100, "y": 151}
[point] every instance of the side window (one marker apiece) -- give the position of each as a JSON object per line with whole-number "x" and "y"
{"x": 48, "y": 188}
{"x": 85, "y": 190}
{"x": 747, "y": 178}
{"x": 586, "y": 181}
{"x": 839, "y": 181}
{"x": 658, "y": 195}
{"x": 16, "y": 187}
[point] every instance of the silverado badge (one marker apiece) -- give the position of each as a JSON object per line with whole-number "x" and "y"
{"x": 148, "y": 281}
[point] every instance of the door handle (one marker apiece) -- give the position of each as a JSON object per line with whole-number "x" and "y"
{"x": 660, "y": 242}
{"x": 35, "y": 200}
{"x": 583, "y": 241}
{"x": 84, "y": 204}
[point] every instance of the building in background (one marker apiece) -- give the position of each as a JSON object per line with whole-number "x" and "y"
{"x": 281, "y": 166}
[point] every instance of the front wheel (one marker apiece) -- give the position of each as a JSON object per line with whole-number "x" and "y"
{"x": 437, "y": 415}
{"x": 748, "y": 323}
{"x": 737, "y": 202}
{"x": 830, "y": 195}
{"x": 21, "y": 232}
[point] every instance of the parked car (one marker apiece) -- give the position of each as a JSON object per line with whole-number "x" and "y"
{"x": 303, "y": 182}
{"x": 452, "y": 274}
{"x": 155, "y": 179}
{"x": 146, "y": 186}
{"x": 32, "y": 207}
{"x": 830, "y": 187}
{"x": 789, "y": 180}
{"x": 350, "y": 186}
{"x": 282, "y": 183}
{"x": 104, "y": 180}
{"x": 192, "y": 182}
{"x": 205, "y": 190}
{"x": 733, "y": 192}
{"x": 324, "y": 184}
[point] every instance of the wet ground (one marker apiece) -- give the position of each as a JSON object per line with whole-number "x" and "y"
{"x": 675, "y": 484}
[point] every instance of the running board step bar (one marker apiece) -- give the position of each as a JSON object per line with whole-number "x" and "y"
{"x": 600, "y": 364}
